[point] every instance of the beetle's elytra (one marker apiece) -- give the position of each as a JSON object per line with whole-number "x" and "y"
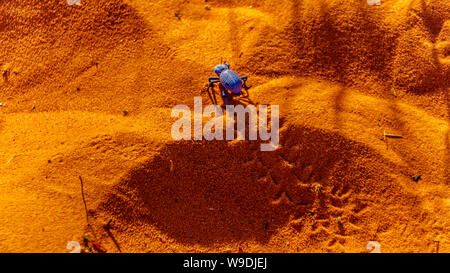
{"x": 231, "y": 81}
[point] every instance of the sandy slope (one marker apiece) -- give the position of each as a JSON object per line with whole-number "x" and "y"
{"x": 342, "y": 73}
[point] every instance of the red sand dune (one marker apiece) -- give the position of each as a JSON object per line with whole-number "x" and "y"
{"x": 343, "y": 72}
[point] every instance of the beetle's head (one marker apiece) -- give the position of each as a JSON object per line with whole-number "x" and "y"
{"x": 220, "y": 68}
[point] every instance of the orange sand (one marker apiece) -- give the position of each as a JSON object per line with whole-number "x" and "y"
{"x": 343, "y": 72}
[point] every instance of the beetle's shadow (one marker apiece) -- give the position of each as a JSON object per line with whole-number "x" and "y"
{"x": 203, "y": 193}
{"x": 233, "y": 100}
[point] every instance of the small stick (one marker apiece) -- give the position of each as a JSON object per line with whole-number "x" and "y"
{"x": 437, "y": 245}
{"x": 12, "y": 157}
{"x": 98, "y": 247}
{"x": 391, "y": 135}
{"x": 84, "y": 200}
{"x": 108, "y": 224}
{"x": 5, "y": 75}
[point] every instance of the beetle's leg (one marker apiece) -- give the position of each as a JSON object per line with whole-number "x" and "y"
{"x": 214, "y": 95}
{"x": 213, "y": 79}
{"x": 224, "y": 95}
{"x": 211, "y": 83}
{"x": 210, "y": 98}
{"x": 244, "y": 84}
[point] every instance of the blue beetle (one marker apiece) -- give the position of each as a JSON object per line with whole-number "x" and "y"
{"x": 230, "y": 81}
